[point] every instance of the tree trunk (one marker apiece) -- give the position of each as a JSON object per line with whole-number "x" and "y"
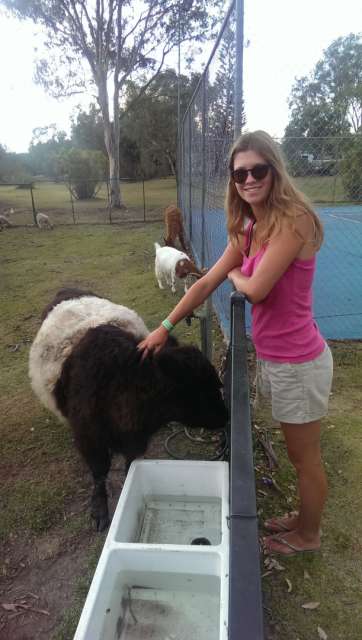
{"x": 113, "y": 158}
{"x": 111, "y": 139}
{"x": 171, "y": 163}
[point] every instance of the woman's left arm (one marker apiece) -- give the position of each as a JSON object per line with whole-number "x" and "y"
{"x": 280, "y": 253}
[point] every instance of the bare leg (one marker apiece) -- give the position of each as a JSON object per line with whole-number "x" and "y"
{"x": 303, "y": 446}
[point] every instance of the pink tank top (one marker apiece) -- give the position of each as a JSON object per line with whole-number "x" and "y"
{"x": 283, "y": 329}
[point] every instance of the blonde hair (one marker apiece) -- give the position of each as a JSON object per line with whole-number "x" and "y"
{"x": 284, "y": 201}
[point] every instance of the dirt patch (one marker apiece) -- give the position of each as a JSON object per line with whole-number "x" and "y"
{"x": 40, "y": 574}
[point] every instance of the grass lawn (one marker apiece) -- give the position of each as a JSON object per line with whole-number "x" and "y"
{"x": 54, "y": 198}
{"x": 326, "y": 189}
{"x": 332, "y": 578}
{"x": 143, "y": 201}
{"x": 50, "y": 550}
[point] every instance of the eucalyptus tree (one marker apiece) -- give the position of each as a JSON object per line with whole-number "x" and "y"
{"x": 152, "y": 122}
{"x": 104, "y": 44}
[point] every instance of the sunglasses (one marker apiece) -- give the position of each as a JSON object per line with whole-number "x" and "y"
{"x": 259, "y": 171}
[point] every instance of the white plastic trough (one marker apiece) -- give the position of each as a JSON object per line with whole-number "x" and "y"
{"x": 163, "y": 571}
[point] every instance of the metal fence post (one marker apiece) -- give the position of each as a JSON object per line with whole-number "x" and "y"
{"x": 33, "y": 205}
{"x": 71, "y": 201}
{"x": 144, "y": 200}
{"x": 206, "y": 328}
{"x": 203, "y": 182}
{"x": 190, "y": 176}
{"x": 239, "y": 51}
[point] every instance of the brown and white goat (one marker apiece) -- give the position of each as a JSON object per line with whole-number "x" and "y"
{"x": 172, "y": 265}
{"x": 174, "y": 227}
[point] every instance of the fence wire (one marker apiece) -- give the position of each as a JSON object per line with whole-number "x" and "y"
{"x": 327, "y": 169}
{"x": 144, "y": 201}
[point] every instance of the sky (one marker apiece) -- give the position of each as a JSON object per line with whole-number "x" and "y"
{"x": 286, "y": 39}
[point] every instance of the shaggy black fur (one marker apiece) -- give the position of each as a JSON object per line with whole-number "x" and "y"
{"x": 115, "y": 401}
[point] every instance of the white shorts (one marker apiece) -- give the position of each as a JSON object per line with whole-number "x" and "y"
{"x": 299, "y": 392}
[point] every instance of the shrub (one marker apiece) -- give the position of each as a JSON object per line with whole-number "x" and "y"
{"x": 351, "y": 170}
{"x": 84, "y": 170}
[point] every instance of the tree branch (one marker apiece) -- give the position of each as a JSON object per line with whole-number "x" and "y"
{"x": 145, "y": 87}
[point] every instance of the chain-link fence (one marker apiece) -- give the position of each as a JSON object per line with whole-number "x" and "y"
{"x": 205, "y": 138}
{"x": 327, "y": 169}
{"x": 144, "y": 201}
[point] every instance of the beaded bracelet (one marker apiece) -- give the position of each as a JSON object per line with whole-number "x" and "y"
{"x": 167, "y": 325}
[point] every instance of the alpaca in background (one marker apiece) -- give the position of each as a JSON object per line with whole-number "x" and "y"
{"x": 174, "y": 227}
{"x": 85, "y": 367}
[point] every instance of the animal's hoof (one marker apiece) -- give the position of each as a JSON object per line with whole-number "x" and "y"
{"x": 102, "y": 522}
{"x": 99, "y": 513}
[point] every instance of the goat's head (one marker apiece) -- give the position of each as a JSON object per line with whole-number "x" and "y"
{"x": 196, "y": 386}
{"x": 185, "y": 267}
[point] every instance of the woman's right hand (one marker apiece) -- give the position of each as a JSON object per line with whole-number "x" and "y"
{"x": 154, "y": 341}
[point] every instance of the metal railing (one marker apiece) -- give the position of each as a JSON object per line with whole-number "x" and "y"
{"x": 245, "y": 596}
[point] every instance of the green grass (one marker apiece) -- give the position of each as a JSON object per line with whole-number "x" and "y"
{"x": 42, "y": 480}
{"x": 40, "y": 471}
{"x": 335, "y": 574}
{"x": 54, "y": 198}
{"x": 324, "y": 189}
{"x": 114, "y": 261}
{"x": 32, "y": 505}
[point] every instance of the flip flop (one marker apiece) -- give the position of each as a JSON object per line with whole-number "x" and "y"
{"x": 293, "y": 549}
{"x": 277, "y": 525}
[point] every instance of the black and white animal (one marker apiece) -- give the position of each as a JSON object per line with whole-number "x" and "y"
{"x": 85, "y": 367}
{"x": 171, "y": 266}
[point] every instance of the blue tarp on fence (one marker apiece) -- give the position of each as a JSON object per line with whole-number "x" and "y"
{"x": 338, "y": 282}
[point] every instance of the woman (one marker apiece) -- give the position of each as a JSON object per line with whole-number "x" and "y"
{"x": 274, "y": 235}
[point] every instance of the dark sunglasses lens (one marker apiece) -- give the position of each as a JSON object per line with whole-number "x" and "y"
{"x": 259, "y": 171}
{"x": 239, "y": 176}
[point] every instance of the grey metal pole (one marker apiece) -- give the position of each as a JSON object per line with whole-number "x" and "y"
{"x": 72, "y": 202}
{"x": 178, "y": 163}
{"x": 190, "y": 176}
{"x": 206, "y": 328}
{"x": 239, "y": 51}
{"x": 144, "y": 200}
{"x": 33, "y": 205}
{"x": 245, "y": 595}
{"x": 203, "y": 164}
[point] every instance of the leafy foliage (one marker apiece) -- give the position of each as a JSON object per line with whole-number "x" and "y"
{"x": 14, "y": 167}
{"x": 84, "y": 170}
{"x": 88, "y": 44}
{"x": 325, "y": 105}
{"x": 46, "y": 146}
{"x": 351, "y": 170}
{"x": 151, "y": 124}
